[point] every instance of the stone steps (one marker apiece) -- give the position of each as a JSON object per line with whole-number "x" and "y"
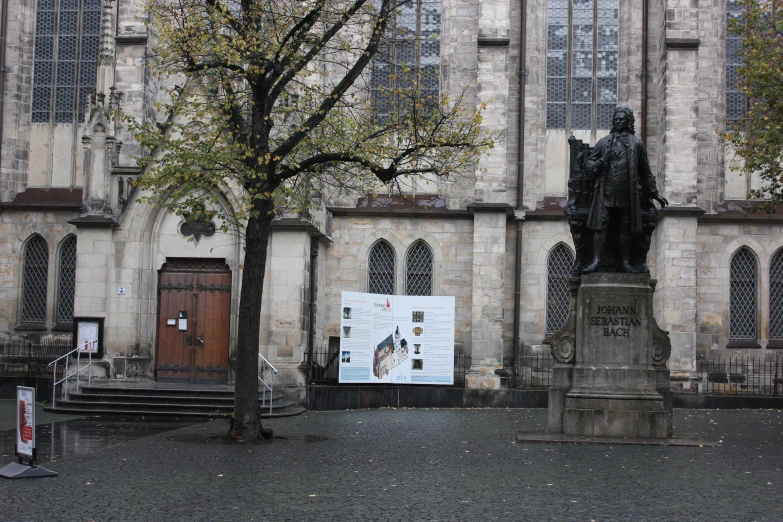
{"x": 194, "y": 401}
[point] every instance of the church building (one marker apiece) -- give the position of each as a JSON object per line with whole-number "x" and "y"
{"x": 75, "y": 242}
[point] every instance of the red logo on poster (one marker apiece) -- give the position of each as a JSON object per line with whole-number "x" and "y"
{"x": 23, "y": 427}
{"x": 388, "y": 304}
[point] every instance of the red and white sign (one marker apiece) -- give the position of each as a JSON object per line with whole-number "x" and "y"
{"x": 25, "y": 428}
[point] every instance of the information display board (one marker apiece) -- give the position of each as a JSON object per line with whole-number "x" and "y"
{"x": 88, "y": 335}
{"x": 396, "y": 339}
{"x": 25, "y": 427}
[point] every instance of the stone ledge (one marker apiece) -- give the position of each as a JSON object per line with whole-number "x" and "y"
{"x": 94, "y": 222}
{"x": 35, "y": 198}
{"x": 491, "y": 208}
{"x": 683, "y": 44}
{"x": 680, "y": 212}
{"x": 131, "y": 39}
{"x": 544, "y": 438}
{"x": 493, "y": 42}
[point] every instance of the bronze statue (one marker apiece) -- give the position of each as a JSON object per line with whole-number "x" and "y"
{"x": 623, "y": 185}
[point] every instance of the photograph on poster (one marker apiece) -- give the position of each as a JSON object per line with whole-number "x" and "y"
{"x": 346, "y": 357}
{"x": 377, "y": 331}
{"x": 418, "y": 364}
{"x": 389, "y": 353}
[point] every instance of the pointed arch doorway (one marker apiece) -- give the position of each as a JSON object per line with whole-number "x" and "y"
{"x": 194, "y": 316}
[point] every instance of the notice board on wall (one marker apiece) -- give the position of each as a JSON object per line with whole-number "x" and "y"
{"x": 396, "y": 339}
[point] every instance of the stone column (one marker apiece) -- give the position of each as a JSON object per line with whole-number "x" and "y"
{"x": 287, "y": 293}
{"x": 675, "y": 296}
{"x": 489, "y": 265}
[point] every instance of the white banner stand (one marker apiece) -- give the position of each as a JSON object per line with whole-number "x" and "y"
{"x": 25, "y": 439}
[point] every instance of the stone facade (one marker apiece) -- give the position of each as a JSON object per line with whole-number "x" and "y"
{"x": 470, "y": 225}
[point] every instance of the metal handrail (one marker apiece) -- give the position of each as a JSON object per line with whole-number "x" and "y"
{"x": 266, "y": 386}
{"x": 87, "y": 346}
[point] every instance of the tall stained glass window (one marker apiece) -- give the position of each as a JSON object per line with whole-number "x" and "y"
{"x": 736, "y": 104}
{"x": 67, "y": 42}
{"x": 581, "y": 63}
{"x": 409, "y": 53}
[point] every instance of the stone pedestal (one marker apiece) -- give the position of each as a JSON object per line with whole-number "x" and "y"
{"x": 611, "y": 379}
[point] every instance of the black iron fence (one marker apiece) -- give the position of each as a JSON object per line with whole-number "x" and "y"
{"x": 323, "y": 366}
{"x": 531, "y": 372}
{"x": 21, "y": 357}
{"x": 758, "y": 374}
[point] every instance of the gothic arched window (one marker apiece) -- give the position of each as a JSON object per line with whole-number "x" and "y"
{"x": 67, "y": 281}
{"x": 381, "y": 269}
{"x": 776, "y": 297}
{"x": 35, "y": 280}
{"x": 743, "y": 290}
{"x": 67, "y": 42}
{"x": 418, "y": 270}
{"x": 558, "y": 298}
{"x": 581, "y": 77}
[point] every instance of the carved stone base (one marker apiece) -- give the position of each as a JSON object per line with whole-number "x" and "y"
{"x": 615, "y": 384}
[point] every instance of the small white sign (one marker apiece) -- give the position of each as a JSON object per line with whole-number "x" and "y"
{"x": 25, "y": 427}
{"x": 171, "y": 322}
{"x": 121, "y": 290}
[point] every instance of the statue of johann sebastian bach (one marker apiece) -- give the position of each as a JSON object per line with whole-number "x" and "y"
{"x": 622, "y": 177}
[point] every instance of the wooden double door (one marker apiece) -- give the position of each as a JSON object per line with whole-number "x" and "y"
{"x": 194, "y": 316}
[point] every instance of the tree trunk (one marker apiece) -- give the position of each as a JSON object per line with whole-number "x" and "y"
{"x": 246, "y": 424}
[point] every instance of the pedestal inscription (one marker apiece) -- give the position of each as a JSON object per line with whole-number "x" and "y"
{"x": 615, "y": 384}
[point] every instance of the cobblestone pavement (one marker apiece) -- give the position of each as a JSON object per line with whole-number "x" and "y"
{"x": 423, "y": 464}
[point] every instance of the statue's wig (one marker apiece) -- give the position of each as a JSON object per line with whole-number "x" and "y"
{"x": 631, "y": 120}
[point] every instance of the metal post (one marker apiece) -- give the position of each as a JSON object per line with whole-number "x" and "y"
{"x": 65, "y": 382}
{"x": 54, "y": 385}
{"x": 263, "y": 381}
{"x": 78, "y": 368}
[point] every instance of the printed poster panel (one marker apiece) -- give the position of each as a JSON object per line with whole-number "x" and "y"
{"x": 396, "y": 339}
{"x": 25, "y": 427}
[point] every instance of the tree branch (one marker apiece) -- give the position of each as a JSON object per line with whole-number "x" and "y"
{"x": 339, "y": 90}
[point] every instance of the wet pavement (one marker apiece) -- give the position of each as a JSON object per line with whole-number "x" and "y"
{"x": 59, "y": 436}
{"x": 416, "y": 464}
